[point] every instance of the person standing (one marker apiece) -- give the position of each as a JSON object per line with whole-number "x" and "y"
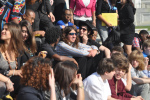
{"x": 127, "y": 28}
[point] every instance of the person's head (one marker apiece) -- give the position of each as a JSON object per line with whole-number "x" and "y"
{"x": 70, "y": 36}
{"x": 106, "y": 67}
{"x": 126, "y": 1}
{"x": 28, "y": 36}
{"x": 117, "y": 49}
{"x": 66, "y": 16}
{"x": 11, "y": 35}
{"x": 52, "y": 35}
{"x": 121, "y": 64}
{"x": 65, "y": 72}
{"x": 146, "y": 47}
{"x": 84, "y": 28}
{"x": 137, "y": 60}
{"x": 143, "y": 35}
{"x": 29, "y": 16}
{"x": 35, "y": 73}
{"x": 93, "y": 34}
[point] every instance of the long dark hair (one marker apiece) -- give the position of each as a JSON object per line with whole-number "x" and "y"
{"x": 16, "y": 39}
{"x": 64, "y": 74}
{"x": 31, "y": 39}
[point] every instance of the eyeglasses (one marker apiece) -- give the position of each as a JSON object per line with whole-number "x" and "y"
{"x": 84, "y": 29}
{"x": 68, "y": 14}
{"x": 72, "y": 33}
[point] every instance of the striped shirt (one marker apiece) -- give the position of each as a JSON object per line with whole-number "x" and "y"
{"x": 66, "y": 50}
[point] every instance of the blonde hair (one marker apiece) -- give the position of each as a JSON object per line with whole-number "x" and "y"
{"x": 138, "y": 56}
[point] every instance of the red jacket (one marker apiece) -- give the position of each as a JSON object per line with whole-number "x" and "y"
{"x": 121, "y": 92}
{"x": 80, "y": 9}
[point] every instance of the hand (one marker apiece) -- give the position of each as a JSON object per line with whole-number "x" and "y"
{"x": 9, "y": 85}
{"x": 52, "y": 17}
{"x": 92, "y": 53}
{"x": 74, "y": 61}
{"x": 94, "y": 23}
{"x": 51, "y": 79}
{"x": 85, "y": 39}
{"x": 42, "y": 33}
{"x": 42, "y": 54}
{"x": 51, "y": 2}
{"x": 77, "y": 80}
{"x": 109, "y": 24}
{"x": 63, "y": 26}
{"x": 18, "y": 73}
{"x": 137, "y": 98}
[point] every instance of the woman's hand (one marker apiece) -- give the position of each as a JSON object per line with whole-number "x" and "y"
{"x": 51, "y": 79}
{"x": 9, "y": 85}
{"x": 42, "y": 54}
{"x": 108, "y": 24}
{"x": 77, "y": 80}
{"x": 18, "y": 73}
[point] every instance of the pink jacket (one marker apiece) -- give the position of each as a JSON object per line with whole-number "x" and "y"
{"x": 80, "y": 9}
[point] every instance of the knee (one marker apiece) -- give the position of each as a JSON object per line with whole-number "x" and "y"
{"x": 146, "y": 86}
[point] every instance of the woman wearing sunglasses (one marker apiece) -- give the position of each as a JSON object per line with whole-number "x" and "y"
{"x": 71, "y": 47}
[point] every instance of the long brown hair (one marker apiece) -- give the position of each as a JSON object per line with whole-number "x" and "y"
{"x": 16, "y": 39}
{"x": 138, "y": 56}
{"x": 65, "y": 34}
{"x": 65, "y": 72}
{"x": 31, "y": 39}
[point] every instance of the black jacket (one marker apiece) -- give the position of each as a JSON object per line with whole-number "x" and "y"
{"x": 29, "y": 93}
{"x": 126, "y": 19}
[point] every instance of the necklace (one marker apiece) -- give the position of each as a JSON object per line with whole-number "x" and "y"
{"x": 9, "y": 61}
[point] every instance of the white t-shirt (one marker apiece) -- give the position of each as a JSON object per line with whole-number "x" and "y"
{"x": 95, "y": 88}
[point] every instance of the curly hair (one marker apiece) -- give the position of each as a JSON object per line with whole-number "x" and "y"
{"x": 64, "y": 75}
{"x": 66, "y": 32}
{"x": 120, "y": 61}
{"x": 35, "y": 73}
{"x": 138, "y": 56}
{"x": 52, "y": 35}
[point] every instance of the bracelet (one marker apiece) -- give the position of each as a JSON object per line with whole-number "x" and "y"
{"x": 13, "y": 72}
{"x": 82, "y": 87}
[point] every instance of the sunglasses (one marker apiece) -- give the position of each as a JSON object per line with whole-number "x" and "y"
{"x": 72, "y": 33}
{"x": 84, "y": 29}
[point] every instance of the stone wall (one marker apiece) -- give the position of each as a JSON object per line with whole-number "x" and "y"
{"x": 142, "y": 16}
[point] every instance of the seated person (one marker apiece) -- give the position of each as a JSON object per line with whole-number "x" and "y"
{"x": 71, "y": 47}
{"x": 93, "y": 34}
{"x": 117, "y": 49}
{"x": 85, "y": 31}
{"x": 140, "y": 81}
{"x": 117, "y": 85}
{"x": 52, "y": 37}
{"x": 146, "y": 54}
{"x": 65, "y": 19}
{"x": 37, "y": 77}
{"x": 139, "y": 39}
{"x": 96, "y": 86}
{"x": 30, "y": 16}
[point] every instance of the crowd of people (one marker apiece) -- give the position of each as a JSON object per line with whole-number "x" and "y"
{"x": 49, "y": 51}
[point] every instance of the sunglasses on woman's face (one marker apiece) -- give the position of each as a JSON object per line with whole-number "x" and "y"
{"x": 72, "y": 33}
